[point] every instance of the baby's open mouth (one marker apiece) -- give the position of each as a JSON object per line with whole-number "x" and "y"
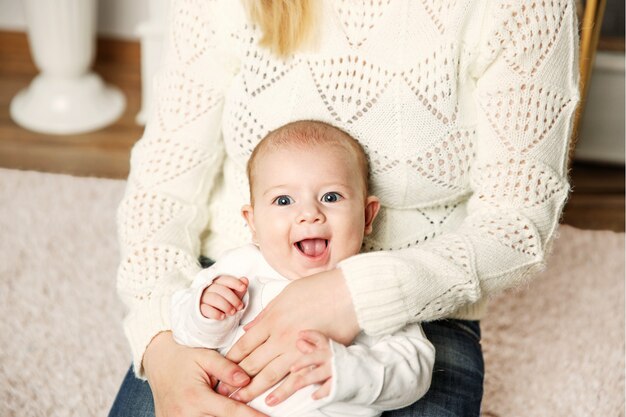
{"x": 312, "y": 247}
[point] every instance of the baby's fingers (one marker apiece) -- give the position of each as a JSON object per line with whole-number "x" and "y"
{"x": 239, "y": 285}
{"x": 226, "y": 298}
{"x": 211, "y": 312}
{"x": 213, "y": 300}
{"x": 314, "y": 338}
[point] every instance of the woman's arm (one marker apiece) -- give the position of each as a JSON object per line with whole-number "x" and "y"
{"x": 526, "y": 78}
{"x": 173, "y": 169}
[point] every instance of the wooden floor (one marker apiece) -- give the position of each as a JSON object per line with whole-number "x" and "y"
{"x": 597, "y": 200}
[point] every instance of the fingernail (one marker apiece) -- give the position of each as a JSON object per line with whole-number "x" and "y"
{"x": 271, "y": 400}
{"x": 240, "y": 377}
{"x": 236, "y": 397}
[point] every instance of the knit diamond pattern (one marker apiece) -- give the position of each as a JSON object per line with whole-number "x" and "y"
{"x": 163, "y": 160}
{"x": 147, "y": 213}
{"x": 463, "y": 106}
{"x": 182, "y": 101}
{"x": 358, "y": 19}
{"x": 348, "y": 98}
{"x": 192, "y": 34}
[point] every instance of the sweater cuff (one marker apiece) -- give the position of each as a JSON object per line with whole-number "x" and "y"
{"x": 379, "y": 285}
{"x": 390, "y": 290}
{"x": 142, "y": 324}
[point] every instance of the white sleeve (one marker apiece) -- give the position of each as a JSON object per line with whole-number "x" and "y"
{"x": 190, "y": 327}
{"x": 525, "y": 91}
{"x": 175, "y": 166}
{"x": 392, "y": 373}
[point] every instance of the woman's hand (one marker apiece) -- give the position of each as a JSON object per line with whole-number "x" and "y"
{"x": 268, "y": 349}
{"x": 181, "y": 379}
{"x": 314, "y": 367}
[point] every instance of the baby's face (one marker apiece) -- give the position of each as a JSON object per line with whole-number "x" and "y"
{"x": 310, "y": 209}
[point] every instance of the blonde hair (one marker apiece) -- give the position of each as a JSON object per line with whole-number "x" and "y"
{"x": 309, "y": 133}
{"x": 286, "y": 24}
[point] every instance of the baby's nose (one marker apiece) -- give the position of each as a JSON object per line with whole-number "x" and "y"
{"x": 311, "y": 214}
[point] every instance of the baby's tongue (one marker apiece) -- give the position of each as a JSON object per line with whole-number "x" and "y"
{"x": 313, "y": 247}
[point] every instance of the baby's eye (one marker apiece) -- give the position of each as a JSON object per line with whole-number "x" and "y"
{"x": 283, "y": 200}
{"x": 331, "y": 197}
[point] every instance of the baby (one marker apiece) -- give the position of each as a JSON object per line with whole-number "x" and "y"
{"x": 309, "y": 209}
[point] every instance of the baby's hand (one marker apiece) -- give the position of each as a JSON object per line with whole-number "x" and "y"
{"x": 223, "y": 297}
{"x": 314, "y": 367}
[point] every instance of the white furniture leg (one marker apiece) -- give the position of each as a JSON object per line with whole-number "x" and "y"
{"x": 66, "y": 97}
{"x": 151, "y": 33}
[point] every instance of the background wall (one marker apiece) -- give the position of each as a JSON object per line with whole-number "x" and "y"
{"x": 116, "y": 18}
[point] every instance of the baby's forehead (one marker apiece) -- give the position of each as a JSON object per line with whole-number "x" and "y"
{"x": 307, "y": 147}
{"x": 301, "y": 139}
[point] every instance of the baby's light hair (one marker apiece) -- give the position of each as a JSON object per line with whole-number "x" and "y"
{"x": 308, "y": 133}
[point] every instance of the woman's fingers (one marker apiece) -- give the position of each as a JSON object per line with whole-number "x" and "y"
{"x": 312, "y": 359}
{"x": 263, "y": 355}
{"x": 221, "y": 406}
{"x": 324, "y": 390}
{"x": 226, "y": 389}
{"x": 248, "y": 343}
{"x": 314, "y": 337}
{"x": 221, "y": 368}
{"x": 259, "y": 317}
{"x": 269, "y": 376}
{"x": 252, "y": 365}
{"x": 311, "y": 340}
{"x": 296, "y": 381}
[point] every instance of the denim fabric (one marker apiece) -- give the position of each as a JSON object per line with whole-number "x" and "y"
{"x": 457, "y": 386}
{"x": 134, "y": 398}
{"x": 456, "y": 390}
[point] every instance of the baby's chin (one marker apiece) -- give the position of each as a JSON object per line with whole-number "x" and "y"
{"x": 294, "y": 274}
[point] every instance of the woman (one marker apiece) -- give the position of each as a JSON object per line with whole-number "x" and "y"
{"x": 465, "y": 109}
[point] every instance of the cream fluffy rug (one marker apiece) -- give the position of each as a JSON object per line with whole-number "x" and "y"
{"x": 555, "y": 348}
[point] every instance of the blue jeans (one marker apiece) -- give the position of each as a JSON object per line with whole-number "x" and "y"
{"x": 456, "y": 390}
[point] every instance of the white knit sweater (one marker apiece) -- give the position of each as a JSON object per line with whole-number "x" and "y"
{"x": 464, "y": 108}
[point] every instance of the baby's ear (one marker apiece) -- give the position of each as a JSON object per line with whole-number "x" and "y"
{"x": 372, "y": 206}
{"x": 247, "y": 212}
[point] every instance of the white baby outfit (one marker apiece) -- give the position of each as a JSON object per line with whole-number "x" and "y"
{"x": 373, "y": 374}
